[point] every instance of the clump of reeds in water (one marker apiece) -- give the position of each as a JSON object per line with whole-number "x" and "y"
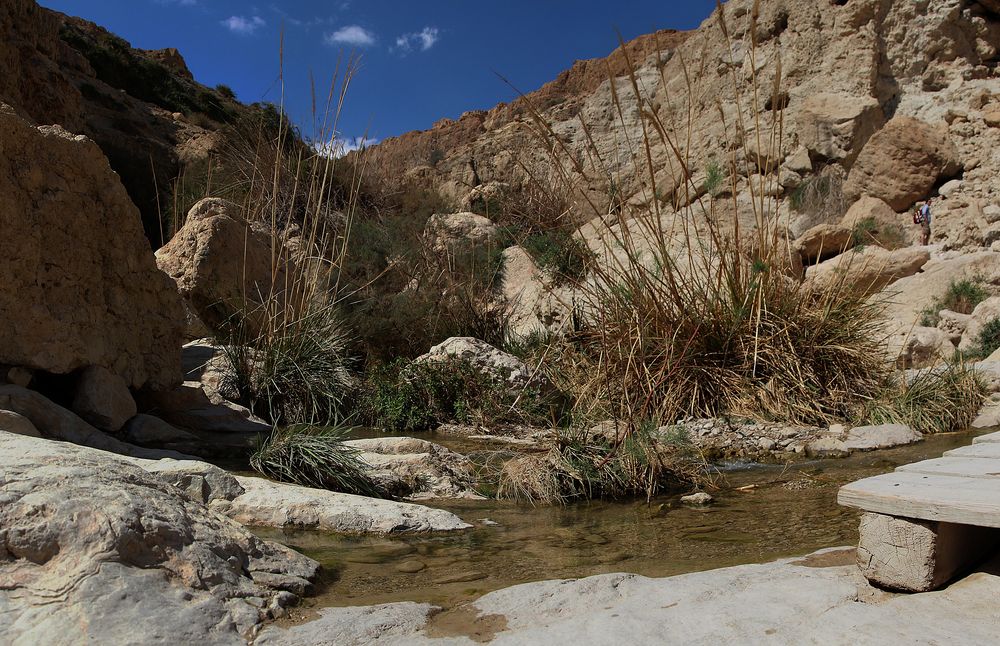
{"x": 640, "y": 462}
{"x": 317, "y": 457}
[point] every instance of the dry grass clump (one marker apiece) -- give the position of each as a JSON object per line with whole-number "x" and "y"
{"x": 698, "y": 311}
{"x": 592, "y": 465}
{"x": 936, "y": 400}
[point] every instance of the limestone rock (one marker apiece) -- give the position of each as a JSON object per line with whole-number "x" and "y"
{"x": 150, "y": 431}
{"x": 873, "y": 211}
{"x": 417, "y": 469}
{"x": 697, "y": 499}
{"x": 73, "y": 247}
{"x": 103, "y": 399}
{"x": 880, "y": 436}
{"x": 503, "y": 366}
{"x": 984, "y": 313}
{"x": 123, "y": 557}
{"x": 222, "y": 426}
{"x": 869, "y": 270}
{"x": 459, "y": 232}
{"x": 823, "y": 241}
{"x": 925, "y": 346}
{"x": 12, "y": 422}
{"x": 201, "y": 481}
{"x": 819, "y": 598}
{"x": 902, "y": 162}
{"x": 223, "y": 266}
{"x": 836, "y": 126}
{"x": 273, "y": 504}
{"x": 56, "y": 423}
{"x": 953, "y": 324}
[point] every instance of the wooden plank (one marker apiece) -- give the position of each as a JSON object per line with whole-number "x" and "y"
{"x": 989, "y": 437}
{"x": 967, "y": 501}
{"x": 989, "y": 450}
{"x": 958, "y": 466}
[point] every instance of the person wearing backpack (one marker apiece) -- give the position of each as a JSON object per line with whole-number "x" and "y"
{"x": 922, "y": 216}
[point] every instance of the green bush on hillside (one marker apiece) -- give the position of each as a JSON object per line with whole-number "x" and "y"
{"x": 962, "y": 296}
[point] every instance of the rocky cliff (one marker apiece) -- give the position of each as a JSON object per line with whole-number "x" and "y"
{"x": 852, "y": 73}
{"x": 141, "y": 107}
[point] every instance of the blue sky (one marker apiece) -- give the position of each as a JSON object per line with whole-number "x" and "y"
{"x": 421, "y": 59}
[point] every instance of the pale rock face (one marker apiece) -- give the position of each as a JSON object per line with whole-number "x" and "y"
{"x": 924, "y": 347}
{"x": 459, "y": 232}
{"x": 985, "y": 312}
{"x": 874, "y": 210}
{"x": 953, "y": 324}
{"x": 820, "y": 598}
{"x": 902, "y": 162}
{"x": 222, "y": 266}
{"x": 536, "y": 305}
{"x": 103, "y": 399}
{"x": 869, "y": 270}
{"x": 822, "y": 242}
{"x": 417, "y": 469}
{"x": 836, "y": 126}
{"x": 125, "y": 557}
{"x": 80, "y": 258}
{"x": 273, "y": 504}
{"x": 505, "y": 367}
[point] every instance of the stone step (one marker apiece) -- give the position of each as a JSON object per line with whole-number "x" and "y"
{"x": 988, "y": 438}
{"x": 988, "y": 450}
{"x": 952, "y": 499}
{"x": 968, "y": 467}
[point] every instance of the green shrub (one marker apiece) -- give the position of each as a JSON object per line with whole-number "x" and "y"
{"x": 988, "y": 340}
{"x": 962, "y": 296}
{"x": 293, "y": 372}
{"x": 559, "y": 252}
{"x": 314, "y": 456}
{"x": 410, "y": 397}
{"x": 715, "y": 176}
{"x": 939, "y": 400}
{"x": 225, "y": 92}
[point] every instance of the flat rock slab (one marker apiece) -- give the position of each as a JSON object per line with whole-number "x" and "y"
{"x": 952, "y": 499}
{"x": 271, "y": 504}
{"x": 988, "y": 438}
{"x": 785, "y": 602}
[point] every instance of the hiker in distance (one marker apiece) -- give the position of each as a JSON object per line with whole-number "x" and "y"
{"x": 922, "y": 216}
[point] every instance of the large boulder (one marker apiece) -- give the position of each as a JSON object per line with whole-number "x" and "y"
{"x": 417, "y": 469}
{"x": 103, "y": 399}
{"x": 985, "y": 312}
{"x": 80, "y": 287}
{"x": 925, "y": 346}
{"x": 274, "y": 504}
{"x": 500, "y": 365}
{"x": 836, "y": 126}
{"x": 459, "y": 232}
{"x": 877, "y": 218}
{"x": 823, "y": 241}
{"x": 901, "y": 163}
{"x": 867, "y": 271}
{"x": 97, "y": 550}
{"x": 223, "y": 266}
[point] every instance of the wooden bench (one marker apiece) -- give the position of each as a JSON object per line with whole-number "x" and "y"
{"x": 928, "y": 521}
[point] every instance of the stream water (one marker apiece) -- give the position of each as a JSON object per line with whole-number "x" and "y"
{"x": 761, "y": 512}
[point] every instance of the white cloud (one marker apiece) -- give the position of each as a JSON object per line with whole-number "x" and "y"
{"x": 423, "y": 40}
{"x": 243, "y": 26}
{"x": 355, "y": 35}
{"x": 340, "y": 146}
